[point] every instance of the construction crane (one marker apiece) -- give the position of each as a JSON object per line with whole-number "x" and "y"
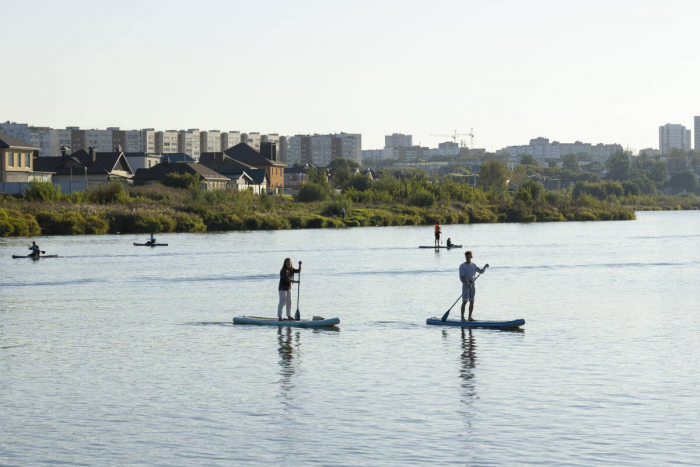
{"x": 455, "y": 135}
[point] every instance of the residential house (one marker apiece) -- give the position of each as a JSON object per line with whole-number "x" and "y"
{"x": 210, "y": 180}
{"x": 16, "y": 159}
{"x": 89, "y": 166}
{"x": 256, "y": 179}
{"x": 266, "y": 159}
{"x": 142, "y": 160}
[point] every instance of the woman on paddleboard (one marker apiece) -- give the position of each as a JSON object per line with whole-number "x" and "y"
{"x": 467, "y": 270}
{"x": 285, "y": 288}
{"x": 438, "y": 231}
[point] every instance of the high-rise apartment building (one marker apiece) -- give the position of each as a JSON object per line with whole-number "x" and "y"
{"x": 541, "y": 149}
{"x": 252, "y": 139}
{"x": 697, "y": 134}
{"x": 166, "y": 142}
{"x": 396, "y": 140}
{"x": 210, "y": 141}
{"x": 282, "y": 149}
{"x": 188, "y": 142}
{"x": 40, "y": 137}
{"x": 229, "y": 139}
{"x": 148, "y": 141}
{"x": 18, "y": 131}
{"x": 128, "y": 140}
{"x": 320, "y": 150}
{"x": 59, "y": 139}
{"x": 673, "y": 136}
{"x": 393, "y": 142}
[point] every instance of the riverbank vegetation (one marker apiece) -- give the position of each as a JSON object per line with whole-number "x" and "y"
{"x": 352, "y": 199}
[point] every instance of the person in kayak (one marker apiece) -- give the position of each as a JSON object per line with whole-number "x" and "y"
{"x": 285, "y": 288}
{"x": 152, "y": 240}
{"x": 467, "y": 270}
{"x": 438, "y": 231}
{"x": 36, "y": 251}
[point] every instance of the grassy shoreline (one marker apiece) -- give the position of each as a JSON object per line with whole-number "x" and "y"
{"x": 158, "y": 209}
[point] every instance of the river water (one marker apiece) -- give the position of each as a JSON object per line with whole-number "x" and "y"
{"x": 122, "y": 355}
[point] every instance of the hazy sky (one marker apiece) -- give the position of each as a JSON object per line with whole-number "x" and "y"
{"x": 608, "y": 71}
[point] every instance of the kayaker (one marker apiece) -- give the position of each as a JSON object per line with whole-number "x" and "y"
{"x": 285, "y": 288}
{"x": 467, "y": 270}
{"x": 36, "y": 251}
{"x": 438, "y": 231}
{"x": 152, "y": 240}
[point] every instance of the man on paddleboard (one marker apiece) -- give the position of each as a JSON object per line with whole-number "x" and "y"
{"x": 35, "y": 250}
{"x": 438, "y": 231}
{"x": 467, "y": 270}
{"x": 285, "y": 288}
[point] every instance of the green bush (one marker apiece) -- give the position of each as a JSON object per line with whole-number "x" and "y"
{"x": 96, "y": 226}
{"x": 311, "y": 191}
{"x": 43, "y": 191}
{"x": 422, "y": 198}
{"x": 583, "y": 215}
{"x": 223, "y": 221}
{"x": 109, "y": 193}
{"x": 336, "y": 206}
{"x": 185, "y": 222}
{"x": 274, "y": 223}
{"x": 15, "y": 224}
{"x": 253, "y": 223}
{"x": 187, "y": 181}
{"x": 61, "y": 222}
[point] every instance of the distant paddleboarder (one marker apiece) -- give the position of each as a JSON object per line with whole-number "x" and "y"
{"x": 438, "y": 232}
{"x": 36, "y": 251}
{"x": 285, "y": 288}
{"x": 467, "y": 270}
{"x": 152, "y": 240}
{"x": 449, "y": 242}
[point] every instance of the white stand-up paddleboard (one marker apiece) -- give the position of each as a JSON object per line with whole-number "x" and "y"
{"x": 302, "y": 323}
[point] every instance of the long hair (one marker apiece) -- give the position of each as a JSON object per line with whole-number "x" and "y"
{"x": 284, "y": 265}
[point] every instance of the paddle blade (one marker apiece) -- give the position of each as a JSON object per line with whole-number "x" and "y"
{"x": 444, "y": 317}
{"x": 297, "y": 315}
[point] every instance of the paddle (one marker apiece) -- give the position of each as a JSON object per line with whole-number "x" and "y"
{"x": 297, "y": 314}
{"x": 444, "y": 317}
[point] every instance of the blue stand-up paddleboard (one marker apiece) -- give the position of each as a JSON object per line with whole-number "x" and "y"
{"x": 302, "y": 323}
{"x": 478, "y": 324}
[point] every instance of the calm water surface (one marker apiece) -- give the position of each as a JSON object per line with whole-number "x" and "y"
{"x": 122, "y": 355}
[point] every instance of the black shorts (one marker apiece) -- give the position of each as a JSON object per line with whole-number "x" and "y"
{"x": 437, "y": 235}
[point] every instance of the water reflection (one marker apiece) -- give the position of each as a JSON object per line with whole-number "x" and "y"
{"x": 468, "y": 361}
{"x": 289, "y": 348}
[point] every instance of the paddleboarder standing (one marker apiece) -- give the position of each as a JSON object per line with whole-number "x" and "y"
{"x": 285, "y": 288}
{"x": 438, "y": 231}
{"x": 35, "y": 250}
{"x": 467, "y": 270}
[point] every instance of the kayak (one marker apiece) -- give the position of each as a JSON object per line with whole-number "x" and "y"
{"x": 442, "y": 246}
{"x": 34, "y": 257}
{"x": 150, "y": 244}
{"x": 303, "y": 323}
{"x": 478, "y": 324}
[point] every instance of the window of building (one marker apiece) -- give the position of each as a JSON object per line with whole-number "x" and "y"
{"x": 10, "y": 159}
{"x": 27, "y": 160}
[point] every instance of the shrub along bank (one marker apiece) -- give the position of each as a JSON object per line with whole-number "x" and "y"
{"x": 44, "y": 210}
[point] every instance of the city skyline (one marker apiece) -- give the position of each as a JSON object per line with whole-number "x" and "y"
{"x": 603, "y": 71}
